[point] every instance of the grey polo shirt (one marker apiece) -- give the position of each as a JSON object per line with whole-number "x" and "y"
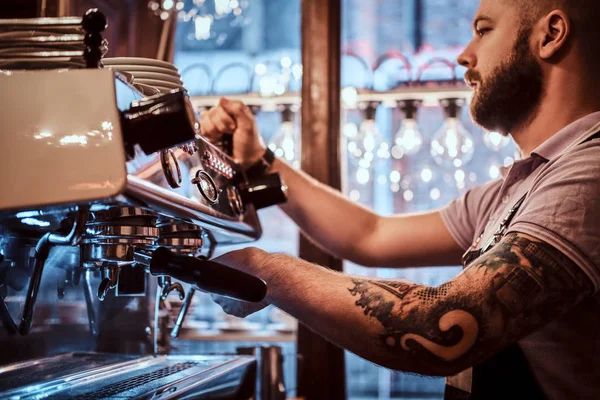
{"x": 562, "y": 208}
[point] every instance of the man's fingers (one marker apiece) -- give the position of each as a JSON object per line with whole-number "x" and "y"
{"x": 237, "y": 308}
{"x": 222, "y": 121}
{"x": 208, "y": 128}
{"x": 216, "y": 298}
{"x": 238, "y": 110}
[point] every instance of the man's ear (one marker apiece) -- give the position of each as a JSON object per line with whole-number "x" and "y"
{"x": 554, "y": 31}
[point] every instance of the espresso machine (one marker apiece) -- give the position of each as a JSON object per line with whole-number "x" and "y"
{"x": 110, "y": 202}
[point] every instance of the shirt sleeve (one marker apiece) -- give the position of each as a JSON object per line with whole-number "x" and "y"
{"x": 563, "y": 209}
{"x": 464, "y": 215}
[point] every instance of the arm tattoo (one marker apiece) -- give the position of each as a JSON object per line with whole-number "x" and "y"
{"x": 514, "y": 289}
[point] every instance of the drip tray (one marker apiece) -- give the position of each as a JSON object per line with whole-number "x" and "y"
{"x": 105, "y": 376}
{"x": 31, "y": 373}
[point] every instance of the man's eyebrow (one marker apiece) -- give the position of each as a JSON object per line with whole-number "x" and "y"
{"x": 480, "y": 18}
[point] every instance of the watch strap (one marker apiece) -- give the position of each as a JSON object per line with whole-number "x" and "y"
{"x": 262, "y": 166}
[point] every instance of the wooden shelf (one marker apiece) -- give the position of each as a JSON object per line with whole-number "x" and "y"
{"x": 248, "y": 336}
{"x": 430, "y": 95}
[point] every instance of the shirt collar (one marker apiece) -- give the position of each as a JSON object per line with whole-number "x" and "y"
{"x": 574, "y": 133}
{"x": 526, "y": 166}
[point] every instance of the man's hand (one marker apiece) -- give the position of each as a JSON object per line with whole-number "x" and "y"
{"x": 234, "y": 117}
{"x": 250, "y": 260}
{"x": 238, "y": 308}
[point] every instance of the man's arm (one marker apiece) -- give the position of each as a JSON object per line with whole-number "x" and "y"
{"x": 352, "y": 232}
{"x": 513, "y": 290}
{"x": 336, "y": 224}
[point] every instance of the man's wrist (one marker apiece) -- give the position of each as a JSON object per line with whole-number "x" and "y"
{"x": 272, "y": 271}
{"x": 262, "y": 166}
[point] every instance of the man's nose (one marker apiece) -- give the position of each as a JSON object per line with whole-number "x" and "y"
{"x": 467, "y": 58}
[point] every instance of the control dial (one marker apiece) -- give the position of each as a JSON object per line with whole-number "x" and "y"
{"x": 206, "y": 186}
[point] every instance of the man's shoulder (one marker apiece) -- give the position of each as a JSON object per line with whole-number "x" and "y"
{"x": 590, "y": 144}
{"x": 581, "y": 159}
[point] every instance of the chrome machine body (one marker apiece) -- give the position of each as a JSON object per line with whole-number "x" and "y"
{"x": 109, "y": 201}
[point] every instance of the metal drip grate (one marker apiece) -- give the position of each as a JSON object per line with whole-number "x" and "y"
{"x": 131, "y": 383}
{"x": 47, "y": 371}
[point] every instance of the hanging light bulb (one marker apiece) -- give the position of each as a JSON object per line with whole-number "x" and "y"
{"x": 286, "y": 142}
{"x": 202, "y": 25}
{"x": 367, "y": 145}
{"x": 495, "y": 140}
{"x": 349, "y": 96}
{"x": 350, "y": 131}
{"x": 222, "y": 7}
{"x": 452, "y": 145}
{"x": 159, "y": 7}
{"x": 408, "y": 140}
{"x": 273, "y": 79}
{"x": 210, "y": 19}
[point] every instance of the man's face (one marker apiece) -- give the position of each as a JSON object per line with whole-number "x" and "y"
{"x": 505, "y": 76}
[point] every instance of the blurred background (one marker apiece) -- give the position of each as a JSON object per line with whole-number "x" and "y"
{"x": 399, "y": 154}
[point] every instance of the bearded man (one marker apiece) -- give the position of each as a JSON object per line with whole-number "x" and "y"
{"x": 522, "y": 319}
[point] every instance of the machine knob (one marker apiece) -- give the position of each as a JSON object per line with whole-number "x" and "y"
{"x": 94, "y": 21}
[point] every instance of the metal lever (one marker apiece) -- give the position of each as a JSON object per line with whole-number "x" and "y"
{"x": 168, "y": 287}
{"x": 182, "y": 313}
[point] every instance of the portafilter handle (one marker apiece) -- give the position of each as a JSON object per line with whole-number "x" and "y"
{"x": 208, "y": 276}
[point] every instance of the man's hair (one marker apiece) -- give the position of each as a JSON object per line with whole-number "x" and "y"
{"x": 585, "y": 19}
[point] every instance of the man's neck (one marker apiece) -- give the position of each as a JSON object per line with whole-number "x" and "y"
{"x": 561, "y": 106}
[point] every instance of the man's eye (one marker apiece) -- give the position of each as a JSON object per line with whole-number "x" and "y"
{"x": 483, "y": 31}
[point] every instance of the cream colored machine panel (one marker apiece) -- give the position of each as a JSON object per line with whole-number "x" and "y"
{"x": 60, "y": 138}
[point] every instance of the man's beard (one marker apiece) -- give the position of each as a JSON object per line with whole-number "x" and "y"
{"x": 510, "y": 96}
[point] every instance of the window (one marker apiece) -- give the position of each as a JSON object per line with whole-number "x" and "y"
{"x": 406, "y": 150}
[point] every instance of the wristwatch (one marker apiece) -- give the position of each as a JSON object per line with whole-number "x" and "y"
{"x": 262, "y": 166}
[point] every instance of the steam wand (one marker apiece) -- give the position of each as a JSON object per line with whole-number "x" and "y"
{"x": 182, "y": 313}
{"x": 88, "y": 293}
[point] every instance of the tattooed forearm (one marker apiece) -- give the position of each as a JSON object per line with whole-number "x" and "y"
{"x": 514, "y": 289}
{"x": 444, "y": 334}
